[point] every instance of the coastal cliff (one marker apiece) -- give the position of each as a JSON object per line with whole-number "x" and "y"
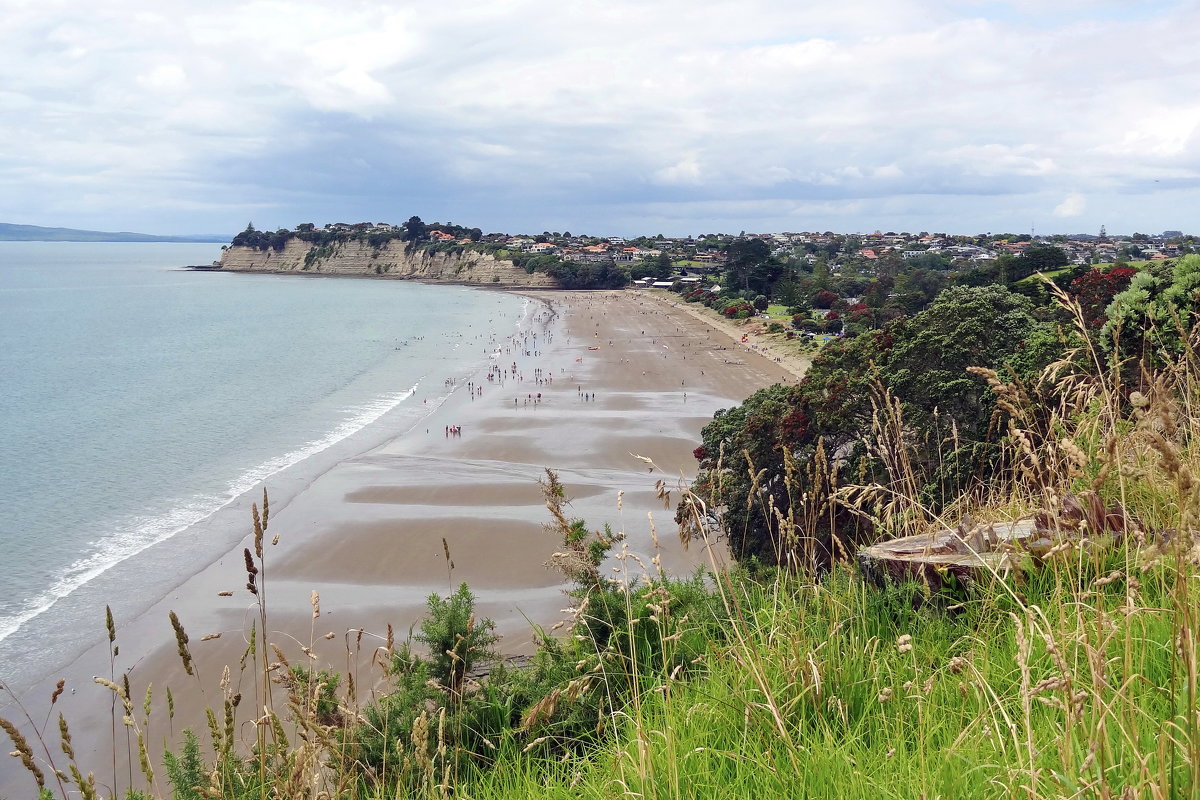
{"x": 393, "y": 259}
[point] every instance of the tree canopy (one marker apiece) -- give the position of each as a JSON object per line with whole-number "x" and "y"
{"x": 821, "y": 429}
{"x": 415, "y": 230}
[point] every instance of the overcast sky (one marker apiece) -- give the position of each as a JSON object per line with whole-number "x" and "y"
{"x": 602, "y": 116}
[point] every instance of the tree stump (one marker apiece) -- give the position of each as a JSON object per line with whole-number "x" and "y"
{"x": 933, "y": 559}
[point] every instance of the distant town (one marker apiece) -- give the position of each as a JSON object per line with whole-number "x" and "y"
{"x": 711, "y": 250}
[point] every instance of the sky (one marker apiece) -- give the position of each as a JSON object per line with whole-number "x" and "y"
{"x": 615, "y": 117}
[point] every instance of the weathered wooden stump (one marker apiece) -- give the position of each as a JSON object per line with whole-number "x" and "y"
{"x": 974, "y": 553}
{"x": 932, "y": 558}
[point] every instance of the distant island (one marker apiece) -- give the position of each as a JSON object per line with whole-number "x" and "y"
{"x": 36, "y": 233}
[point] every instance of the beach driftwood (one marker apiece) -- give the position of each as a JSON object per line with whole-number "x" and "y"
{"x": 480, "y": 672}
{"x": 934, "y": 559}
{"x": 972, "y": 553}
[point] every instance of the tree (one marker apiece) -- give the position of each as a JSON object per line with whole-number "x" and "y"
{"x": 744, "y": 256}
{"x": 415, "y": 230}
{"x": 820, "y": 272}
{"x": 1156, "y": 314}
{"x": 824, "y": 299}
{"x": 767, "y": 422}
{"x": 1037, "y": 258}
{"x": 455, "y": 639}
{"x": 790, "y": 293}
{"x": 247, "y": 238}
{"x": 822, "y": 428}
{"x": 657, "y": 266}
{"x": 1096, "y": 288}
{"x": 964, "y": 327}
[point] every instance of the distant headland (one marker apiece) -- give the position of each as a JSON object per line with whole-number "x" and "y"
{"x": 35, "y": 233}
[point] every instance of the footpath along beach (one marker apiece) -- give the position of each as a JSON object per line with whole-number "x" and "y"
{"x": 619, "y": 374}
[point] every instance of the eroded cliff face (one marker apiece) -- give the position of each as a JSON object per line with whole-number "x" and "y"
{"x": 393, "y": 260}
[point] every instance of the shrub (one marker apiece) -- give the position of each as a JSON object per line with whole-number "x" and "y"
{"x": 806, "y": 324}
{"x": 1096, "y": 288}
{"x": 738, "y": 309}
{"x": 455, "y": 639}
{"x": 824, "y": 299}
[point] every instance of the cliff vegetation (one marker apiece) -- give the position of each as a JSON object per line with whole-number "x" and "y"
{"x": 444, "y": 252}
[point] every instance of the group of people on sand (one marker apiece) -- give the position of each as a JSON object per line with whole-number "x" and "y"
{"x": 530, "y": 399}
{"x": 454, "y": 430}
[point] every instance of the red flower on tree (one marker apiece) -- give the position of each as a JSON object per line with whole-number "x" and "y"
{"x": 1096, "y": 288}
{"x": 824, "y": 299}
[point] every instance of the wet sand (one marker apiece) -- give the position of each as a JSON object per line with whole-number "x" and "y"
{"x": 368, "y": 534}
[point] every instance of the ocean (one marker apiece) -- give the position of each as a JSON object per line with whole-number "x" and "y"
{"x": 138, "y": 400}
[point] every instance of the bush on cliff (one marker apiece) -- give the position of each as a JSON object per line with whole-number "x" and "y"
{"x": 808, "y": 439}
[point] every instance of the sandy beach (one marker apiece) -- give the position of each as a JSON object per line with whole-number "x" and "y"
{"x": 619, "y": 375}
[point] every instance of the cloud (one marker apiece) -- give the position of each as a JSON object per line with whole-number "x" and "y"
{"x": 685, "y": 173}
{"x": 1071, "y": 206}
{"x": 164, "y": 78}
{"x": 570, "y": 111}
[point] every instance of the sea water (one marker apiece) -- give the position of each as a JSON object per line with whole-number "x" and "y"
{"x": 138, "y": 399}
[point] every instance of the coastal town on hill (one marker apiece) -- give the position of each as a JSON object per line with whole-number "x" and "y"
{"x": 952, "y": 250}
{"x": 809, "y": 282}
{"x": 712, "y": 249}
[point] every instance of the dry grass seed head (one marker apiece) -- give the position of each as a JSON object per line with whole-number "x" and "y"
{"x": 181, "y": 640}
{"x": 23, "y": 752}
